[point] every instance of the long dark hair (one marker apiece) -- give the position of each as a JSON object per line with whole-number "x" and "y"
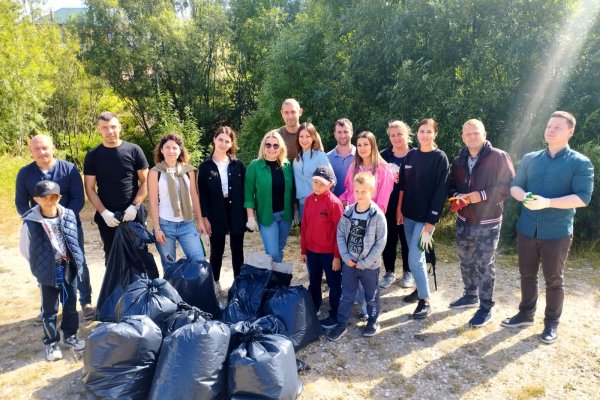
{"x": 429, "y": 121}
{"x": 229, "y": 132}
{"x": 184, "y": 157}
{"x": 316, "y": 144}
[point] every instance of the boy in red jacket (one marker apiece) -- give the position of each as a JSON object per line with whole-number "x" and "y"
{"x": 318, "y": 246}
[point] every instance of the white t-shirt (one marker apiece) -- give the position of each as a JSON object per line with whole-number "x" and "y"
{"x": 222, "y": 166}
{"x": 165, "y": 208}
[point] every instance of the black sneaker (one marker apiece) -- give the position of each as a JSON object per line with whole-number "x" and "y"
{"x": 371, "y": 329}
{"x": 337, "y": 332}
{"x": 467, "y": 301}
{"x": 412, "y": 298}
{"x": 518, "y": 320}
{"x": 422, "y": 311}
{"x": 481, "y": 318}
{"x": 549, "y": 335}
{"x": 328, "y": 322}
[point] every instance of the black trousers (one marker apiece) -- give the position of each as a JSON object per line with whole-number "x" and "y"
{"x": 552, "y": 255}
{"x": 217, "y": 248}
{"x": 70, "y": 318}
{"x": 395, "y": 233}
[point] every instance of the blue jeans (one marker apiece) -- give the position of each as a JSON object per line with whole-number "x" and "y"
{"x": 275, "y": 236}
{"x": 317, "y": 263}
{"x": 301, "y": 207}
{"x": 186, "y": 234}
{"x": 351, "y": 277}
{"x": 83, "y": 282}
{"x": 416, "y": 257}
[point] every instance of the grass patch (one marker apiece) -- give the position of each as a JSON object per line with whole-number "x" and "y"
{"x": 530, "y": 392}
{"x": 9, "y": 218}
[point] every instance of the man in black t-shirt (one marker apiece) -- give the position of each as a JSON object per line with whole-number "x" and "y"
{"x": 115, "y": 179}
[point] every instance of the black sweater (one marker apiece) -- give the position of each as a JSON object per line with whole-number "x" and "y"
{"x": 423, "y": 179}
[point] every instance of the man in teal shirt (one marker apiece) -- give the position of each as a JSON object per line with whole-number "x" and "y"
{"x": 550, "y": 183}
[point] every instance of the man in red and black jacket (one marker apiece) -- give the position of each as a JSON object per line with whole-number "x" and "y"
{"x": 478, "y": 184}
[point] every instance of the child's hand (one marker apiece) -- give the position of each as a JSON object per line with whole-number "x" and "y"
{"x": 336, "y": 265}
{"x": 351, "y": 263}
{"x": 303, "y": 257}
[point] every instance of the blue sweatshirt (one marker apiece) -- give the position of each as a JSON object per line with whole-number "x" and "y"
{"x": 303, "y": 170}
{"x": 63, "y": 172}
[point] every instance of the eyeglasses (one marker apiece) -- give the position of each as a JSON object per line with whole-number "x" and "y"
{"x": 274, "y": 145}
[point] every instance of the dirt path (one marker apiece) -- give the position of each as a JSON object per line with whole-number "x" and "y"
{"x": 433, "y": 359}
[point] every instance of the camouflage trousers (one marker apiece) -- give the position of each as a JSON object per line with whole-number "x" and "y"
{"x": 476, "y": 249}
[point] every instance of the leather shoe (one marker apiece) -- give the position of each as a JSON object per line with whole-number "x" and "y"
{"x": 549, "y": 335}
{"x": 411, "y": 298}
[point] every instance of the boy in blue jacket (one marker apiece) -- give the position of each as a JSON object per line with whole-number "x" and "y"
{"x": 49, "y": 243}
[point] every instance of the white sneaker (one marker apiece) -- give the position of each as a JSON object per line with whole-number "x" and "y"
{"x": 53, "y": 353}
{"x": 73, "y": 342}
{"x": 407, "y": 280}
{"x": 387, "y": 280}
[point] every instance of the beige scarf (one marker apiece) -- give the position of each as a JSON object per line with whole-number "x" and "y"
{"x": 182, "y": 205}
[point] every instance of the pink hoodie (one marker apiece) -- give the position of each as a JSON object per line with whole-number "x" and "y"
{"x": 384, "y": 184}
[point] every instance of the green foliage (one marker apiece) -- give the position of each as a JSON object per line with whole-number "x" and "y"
{"x": 27, "y": 74}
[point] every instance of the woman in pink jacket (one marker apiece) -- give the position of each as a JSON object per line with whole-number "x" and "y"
{"x": 368, "y": 159}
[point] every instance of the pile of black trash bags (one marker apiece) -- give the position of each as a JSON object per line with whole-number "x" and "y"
{"x": 169, "y": 338}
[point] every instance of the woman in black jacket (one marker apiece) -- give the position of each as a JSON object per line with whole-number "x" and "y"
{"x": 221, "y": 187}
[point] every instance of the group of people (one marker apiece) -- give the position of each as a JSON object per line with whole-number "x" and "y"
{"x": 353, "y": 205}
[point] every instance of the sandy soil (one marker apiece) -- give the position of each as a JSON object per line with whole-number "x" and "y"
{"x": 439, "y": 358}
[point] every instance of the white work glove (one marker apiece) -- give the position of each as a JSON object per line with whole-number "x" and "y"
{"x": 130, "y": 213}
{"x": 109, "y": 219}
{"x": 251, "y": 224}
{"x": 426, "y": 241}
{"x": 536, "y": 202}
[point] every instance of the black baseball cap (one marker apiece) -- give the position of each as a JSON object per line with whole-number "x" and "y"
{"x": 324, "y": 174}
{"x": 45, "y": 188}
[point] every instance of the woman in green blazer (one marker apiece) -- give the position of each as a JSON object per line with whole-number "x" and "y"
{"x": 269, "y": 194}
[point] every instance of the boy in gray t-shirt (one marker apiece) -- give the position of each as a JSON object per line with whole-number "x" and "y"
{"x": 361, "y": 238}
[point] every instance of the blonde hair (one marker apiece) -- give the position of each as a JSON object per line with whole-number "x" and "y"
{"x": 402, "y": 127}
{"x": 275, "y": 134}
{"x": 475, "y": 122}
{"x": 365, "y": 178}
{"x": 571, "y": 121}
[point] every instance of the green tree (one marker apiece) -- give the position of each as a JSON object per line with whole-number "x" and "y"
{"x": 27, "y": 74}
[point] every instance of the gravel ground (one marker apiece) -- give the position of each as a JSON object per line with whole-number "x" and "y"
{"x": 438, "y": 358}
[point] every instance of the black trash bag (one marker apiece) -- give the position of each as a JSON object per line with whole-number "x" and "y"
{"x": 184, "y": 315}
{"x": 127, "y": 261}
{"x": 245, "y": 330}
{"x": 195, "y": 284}
{"x": 263, "y": 367}
{"x": 155, "y": 298}
{"x": 120, "y": 358}
{"x": 294, "y": 306}
{"x": 279, "y": 279}
{"x": 270, "y": 324}
{"x": 302, "y": 366}
{"x": 192, "y": 363}
{"x": 245, "y": 295}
